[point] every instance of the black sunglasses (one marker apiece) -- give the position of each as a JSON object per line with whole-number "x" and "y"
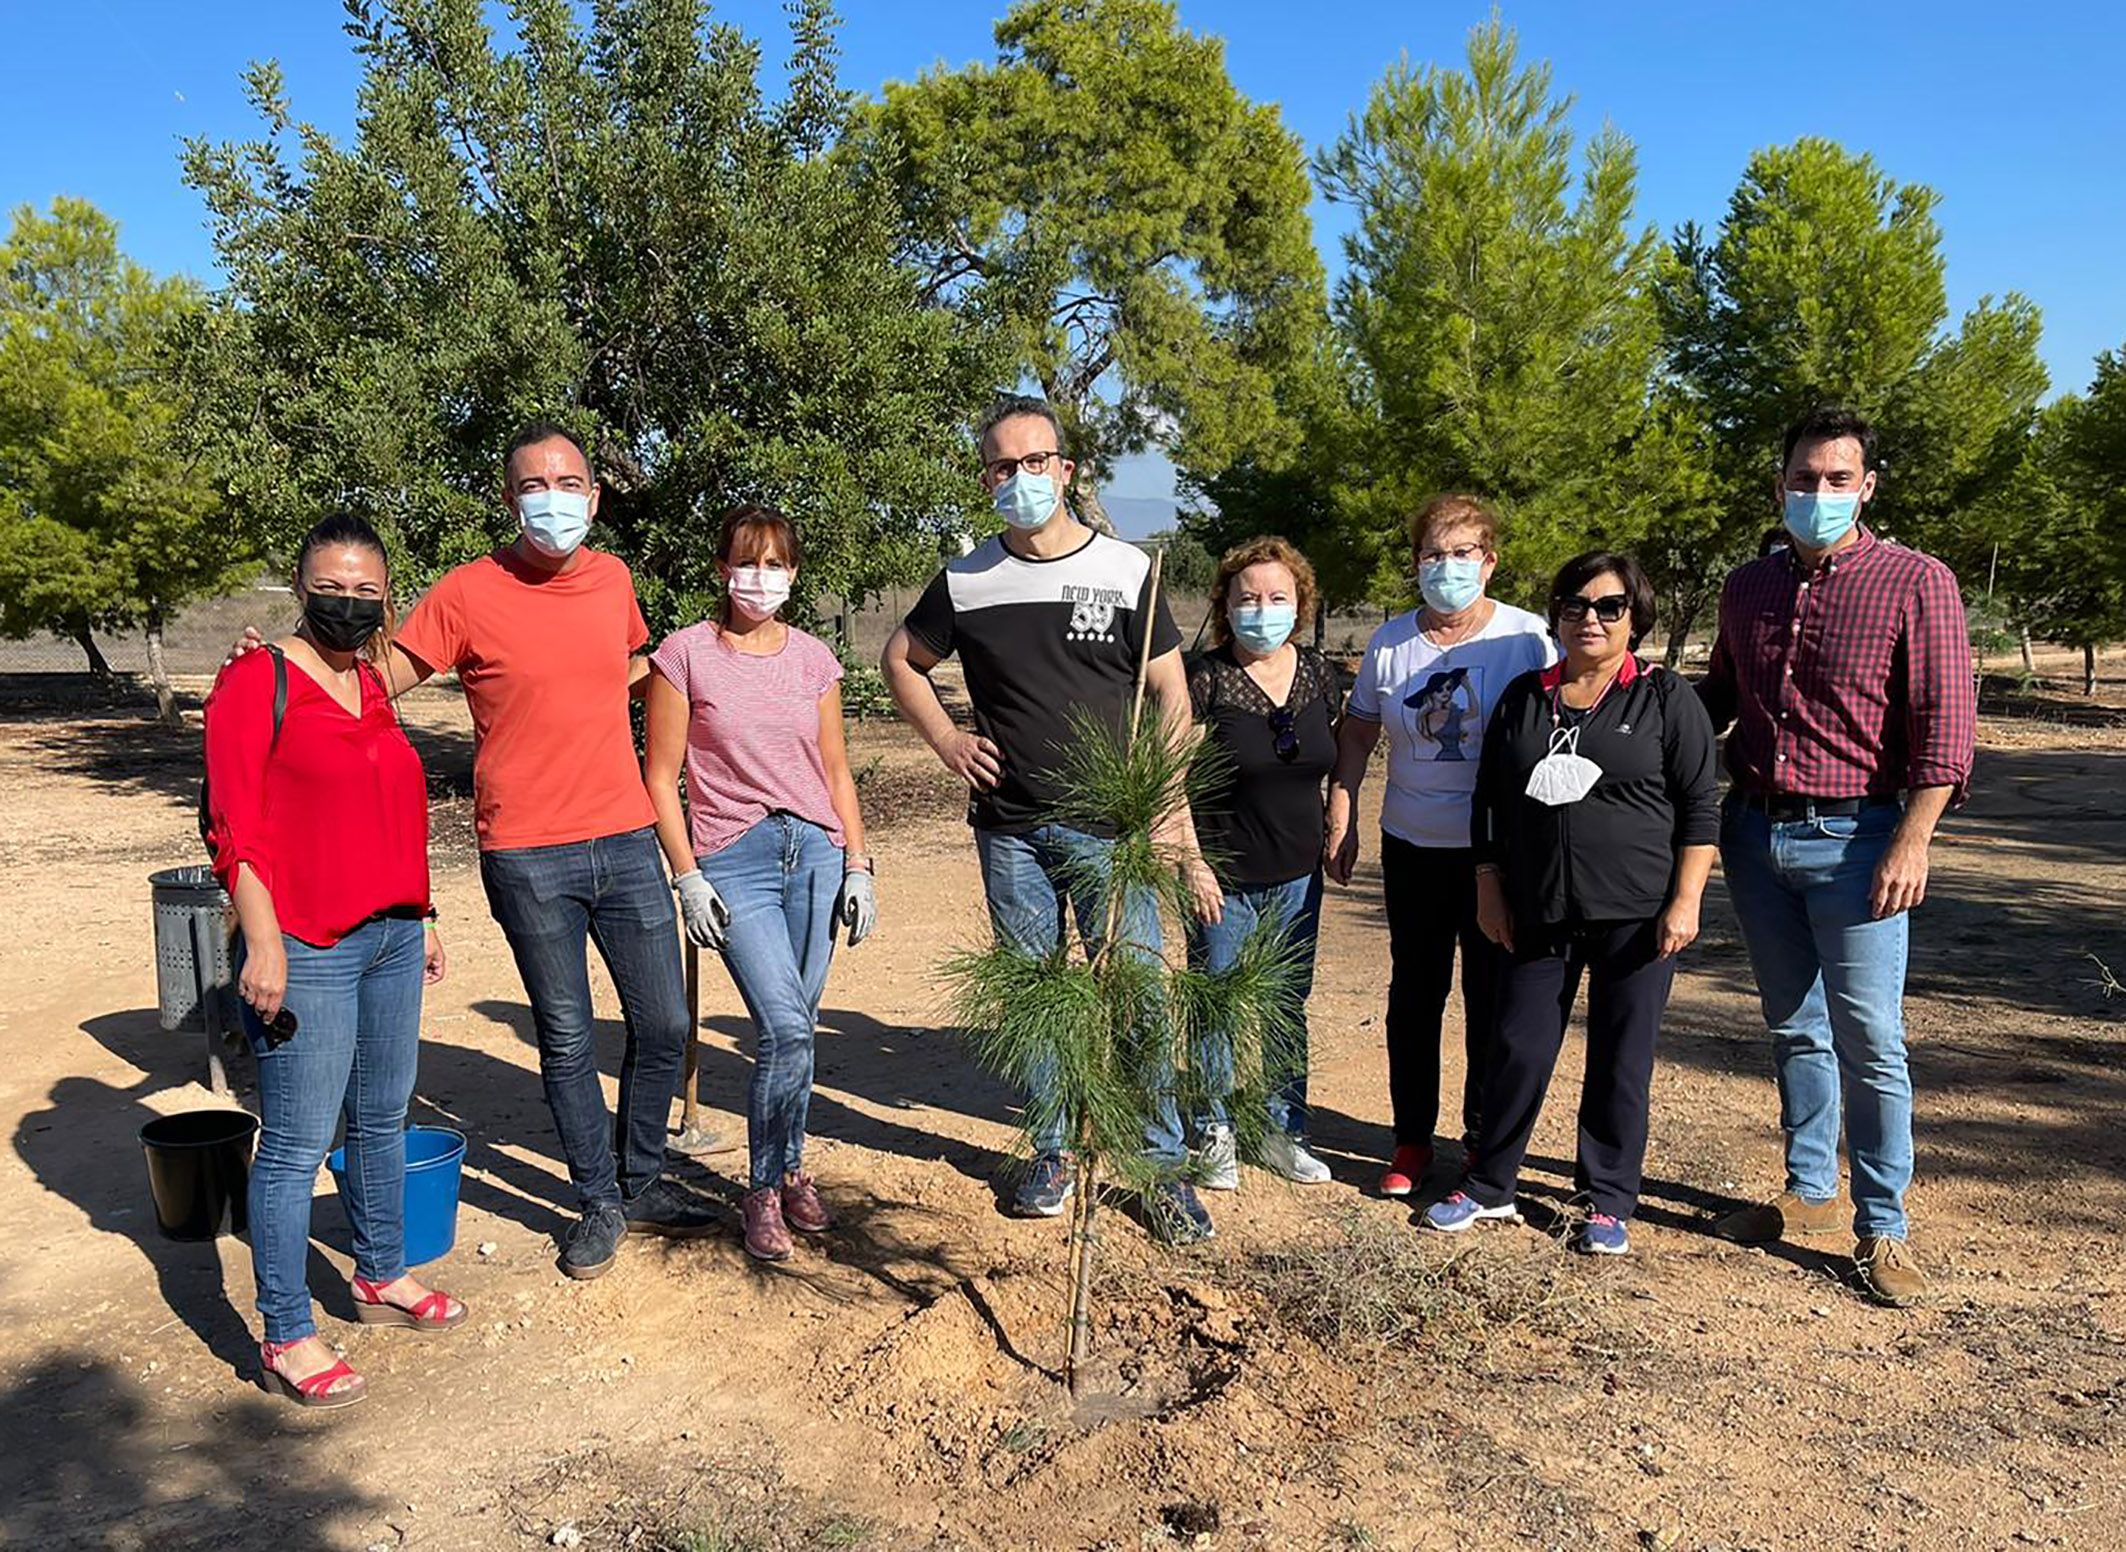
{"x": 1608, "y": 610}
{"x": 1287, "y": 737}
{"x": 280, "y": 1029}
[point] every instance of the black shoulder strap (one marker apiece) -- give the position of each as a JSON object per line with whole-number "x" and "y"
{"x": 280, "y": 692}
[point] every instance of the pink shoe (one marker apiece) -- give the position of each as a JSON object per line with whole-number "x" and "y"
{"x": 802, "y": 1209}
{"x": 1406, "y": 1171}
{"x": 766, "y": 1237}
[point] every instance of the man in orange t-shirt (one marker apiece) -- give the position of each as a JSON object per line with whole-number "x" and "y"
{"x": 543, "y": 635}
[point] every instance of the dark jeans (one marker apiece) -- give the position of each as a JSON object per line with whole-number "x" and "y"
{"x": 357, "y": 1006}
{"x": 550, "y": 900}
{"x": 1430, "y": 893}
{"x": 1627, "y": 992}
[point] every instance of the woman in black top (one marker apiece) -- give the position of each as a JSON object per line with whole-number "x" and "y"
{"x": 1266, "y": 705}
{"x": 1595, "y": 819}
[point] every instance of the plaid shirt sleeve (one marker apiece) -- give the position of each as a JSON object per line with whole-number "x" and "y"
{"x": 1941, "y": 699}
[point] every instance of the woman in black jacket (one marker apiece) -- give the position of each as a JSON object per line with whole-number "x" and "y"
{"x": 1595, "y": 820}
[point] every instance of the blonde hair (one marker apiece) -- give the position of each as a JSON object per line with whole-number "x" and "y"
{"x": 1455, "y": 510}
{"x": 1261, "y": 550}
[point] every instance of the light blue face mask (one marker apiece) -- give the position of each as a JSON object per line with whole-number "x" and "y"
{"x": 1026, "y": 501}
{"x": 1450, "y": 586}
{"x": 1820, "y": 518}
{"x": 554, "y": 521}
{"x": 1263, "y": 628}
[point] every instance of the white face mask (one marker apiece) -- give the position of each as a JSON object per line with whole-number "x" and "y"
{"x": 1564, "y": 775}
{"x": 554, "y": 521}
{"x": 758, "y": 591}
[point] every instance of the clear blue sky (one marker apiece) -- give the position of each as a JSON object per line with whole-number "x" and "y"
{"x": 2015, "y": 113}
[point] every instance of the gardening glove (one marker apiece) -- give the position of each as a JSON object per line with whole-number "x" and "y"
{"x": 707, "y": 918}
{"x": 857, "y": 904}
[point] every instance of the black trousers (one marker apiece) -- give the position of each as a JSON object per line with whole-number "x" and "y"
{"x": 1430, "y": 893}
{"x": 1627, "y": 992}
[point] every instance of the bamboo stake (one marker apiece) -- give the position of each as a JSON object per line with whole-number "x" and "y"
{"x": 1081, "y": 1218}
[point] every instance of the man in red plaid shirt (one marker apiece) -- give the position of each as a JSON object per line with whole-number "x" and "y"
{"x": 1844, "y": 666}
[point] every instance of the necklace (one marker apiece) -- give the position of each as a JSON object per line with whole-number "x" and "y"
{"x": 1464, "y": 633}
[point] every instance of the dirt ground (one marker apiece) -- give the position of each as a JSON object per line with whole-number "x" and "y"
{"x": 895, "y": 1386}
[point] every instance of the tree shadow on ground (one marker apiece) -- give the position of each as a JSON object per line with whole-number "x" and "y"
{"x": 84, "y": 1148}
{"x": 136, "y": 753}
{"x": 102, "y": 1466}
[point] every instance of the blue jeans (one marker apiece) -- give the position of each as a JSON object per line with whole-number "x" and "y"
{"x": 550, "y": 900}
{"x": 780, "y": 880}
{"x": 357, "y": 1007}
{"x": 1214, "y": 946}
{"x": 1028, "y": 878}
{"x": 1832, "y": 979}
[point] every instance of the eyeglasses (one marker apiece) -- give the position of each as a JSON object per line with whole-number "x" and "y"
{"x": 1461, "y": 552}
{"x": 1608, "y": 610}
{"x": 1032, "y": 463}
{"x": 1287, "y": 737}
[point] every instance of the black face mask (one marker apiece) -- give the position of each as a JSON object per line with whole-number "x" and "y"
{"x": 341, "y": 622}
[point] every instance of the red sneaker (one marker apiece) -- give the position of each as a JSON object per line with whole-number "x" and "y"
{"x": 1406, "y": 1169}
{"x": 802, "y": 1209}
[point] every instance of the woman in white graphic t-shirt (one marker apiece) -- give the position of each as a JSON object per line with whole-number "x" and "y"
{"x": 1429, "y": 679}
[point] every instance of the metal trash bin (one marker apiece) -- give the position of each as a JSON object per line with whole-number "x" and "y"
{"x": 195, "y": 976}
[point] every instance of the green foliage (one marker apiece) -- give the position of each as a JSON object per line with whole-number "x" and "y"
{"x": 105, "y": 519}
{"x": 1139, "y": 226}
{"x": 601, "y": 218}
{"x": 2061, "y": 523}
{"x": 1190, "y": 568}
{"x": 1495, "y": 310}
{"x": 1825, "y": 285}
{"x": 1104, "y": 1033}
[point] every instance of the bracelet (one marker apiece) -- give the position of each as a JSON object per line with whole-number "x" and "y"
{"x": 1484, "y": 868}
{"x": 866, "y": 865}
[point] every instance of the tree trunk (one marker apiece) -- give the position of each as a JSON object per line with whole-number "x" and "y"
{"x": 99, "y": 665}
{"x": 1081, "y": 1270}
{"x": 159, "y": 672}
{"x": 1090, "y": 511}
{"x": 2089, "y": 668}
{"x": 1321, "y": 628}
{"x": 2029, "y": 662}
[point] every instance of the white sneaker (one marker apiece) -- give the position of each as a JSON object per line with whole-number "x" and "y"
{"x": 1218, "y": 1161}
{"x": 1283, "y": 1154}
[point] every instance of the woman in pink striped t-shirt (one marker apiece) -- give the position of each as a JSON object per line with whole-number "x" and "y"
{"x": 767, "y": 852}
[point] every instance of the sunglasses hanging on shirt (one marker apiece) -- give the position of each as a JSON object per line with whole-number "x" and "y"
{"x": 1286, "y": 735}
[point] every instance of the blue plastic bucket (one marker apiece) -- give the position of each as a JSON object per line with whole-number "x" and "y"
{"x": 435, "y": 1159}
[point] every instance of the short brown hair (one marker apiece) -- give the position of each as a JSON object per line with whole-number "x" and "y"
{"x": 1261, "y": 549}
{"x": 1455, "y": 510}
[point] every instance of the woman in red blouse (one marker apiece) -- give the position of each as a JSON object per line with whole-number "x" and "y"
{"x": 318, "y": 816}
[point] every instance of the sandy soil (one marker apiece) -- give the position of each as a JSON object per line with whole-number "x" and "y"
{"x": 895, "y": 1386}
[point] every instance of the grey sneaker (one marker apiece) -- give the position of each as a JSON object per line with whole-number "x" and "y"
{"x": 670, "y": 1210}
{"x": 592, "y": 1243}
{"x": 1175, "y": 1216}
{"x": 1218, "y": 1160}
{"x": 1286, "y": 1155}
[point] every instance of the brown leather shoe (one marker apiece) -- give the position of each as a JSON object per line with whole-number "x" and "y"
{"x": 1785, "y": 1216}
{"x": 1890, "y": 1272}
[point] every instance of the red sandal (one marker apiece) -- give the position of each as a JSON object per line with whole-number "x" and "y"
{"x": 312, "y": 1390}
{"x": 437, "y": 1312}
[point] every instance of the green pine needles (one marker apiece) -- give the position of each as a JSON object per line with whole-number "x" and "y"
{"x": 1101, "y": 1039}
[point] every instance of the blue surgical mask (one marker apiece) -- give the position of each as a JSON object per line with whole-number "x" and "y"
{"x": 1820, "y": 518}
{"x": 1263, "y": 628}
{"x": 1450, "y": 586}
{"x": 1026, "y": 501}
{"x": 555, "y": 521}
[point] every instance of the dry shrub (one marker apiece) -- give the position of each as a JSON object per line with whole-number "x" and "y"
{"x": 1376, "y": 1285}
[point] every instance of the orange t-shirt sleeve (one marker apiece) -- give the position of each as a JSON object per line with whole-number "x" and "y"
{"x": 638, "y": 630}
{"x": 435, "y": 631}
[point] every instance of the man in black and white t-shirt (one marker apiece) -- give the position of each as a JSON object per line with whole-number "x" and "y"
{"x": 1048, "y": 619}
